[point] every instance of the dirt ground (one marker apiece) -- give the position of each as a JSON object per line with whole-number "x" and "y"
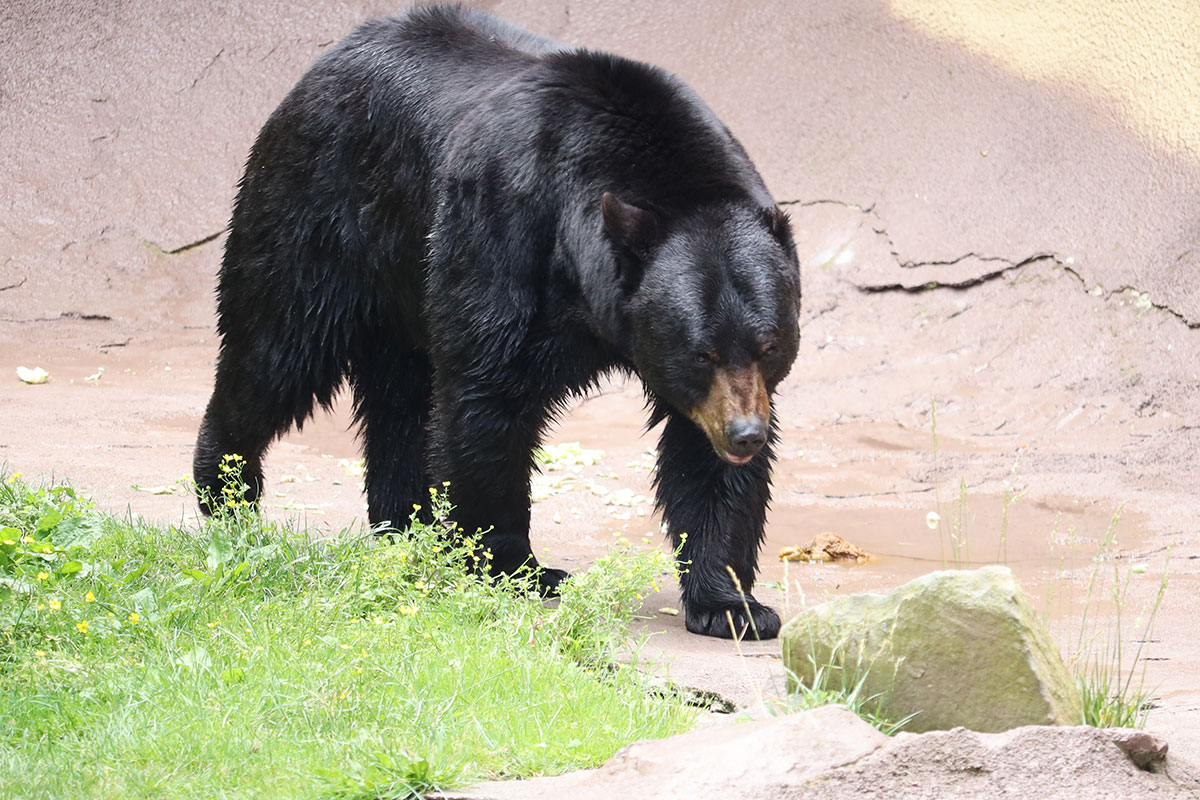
{"x": 1012, "y": 253}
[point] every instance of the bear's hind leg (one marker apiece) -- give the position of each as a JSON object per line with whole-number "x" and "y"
{"x": 244, "y": 415}
{"x": 391, "y": 404}
{"x": 269, "y": 376}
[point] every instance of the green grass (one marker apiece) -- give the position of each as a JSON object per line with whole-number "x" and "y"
{"x": 834, "y": 683}
{"x": 245, "y": 659}
{"x": 1112, "y": 681}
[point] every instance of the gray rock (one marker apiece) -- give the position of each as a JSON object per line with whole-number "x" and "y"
{"x": 954, "y": 648}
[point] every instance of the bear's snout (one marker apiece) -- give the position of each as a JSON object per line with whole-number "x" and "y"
{"x": 735, "y": 414}
{"x": 745, "y": 437}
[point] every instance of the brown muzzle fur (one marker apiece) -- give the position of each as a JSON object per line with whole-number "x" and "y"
{"x": 734, "y": 393}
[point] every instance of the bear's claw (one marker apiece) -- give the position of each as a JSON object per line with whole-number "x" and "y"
{"x": 715, "y": 621}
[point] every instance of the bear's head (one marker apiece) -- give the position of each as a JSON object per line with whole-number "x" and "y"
{"x": 713, "y": 299}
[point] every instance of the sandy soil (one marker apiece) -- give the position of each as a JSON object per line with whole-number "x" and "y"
{"x": 1058, "y": 347}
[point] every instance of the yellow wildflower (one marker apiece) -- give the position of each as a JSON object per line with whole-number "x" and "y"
{"x": 134, "y": 618}
{"x": 42, "y": 576}
{"x": 82, "y": 626}
{"x": 55, "y": 605}
{"x": 90, "y": 597}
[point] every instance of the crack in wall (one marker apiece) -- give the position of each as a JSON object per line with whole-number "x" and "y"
{"x": 970, "y": 283}
{"x": 183, "y": 248}
{"x": 72, "y": 315}
{"x": 1128, "y": 288}
{"x": 204, "y": 71}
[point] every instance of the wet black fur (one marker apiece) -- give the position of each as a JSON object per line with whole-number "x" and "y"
{"x": 421, "y": 217}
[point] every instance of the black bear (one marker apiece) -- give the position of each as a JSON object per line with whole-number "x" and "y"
{"x": 470, "y": 224}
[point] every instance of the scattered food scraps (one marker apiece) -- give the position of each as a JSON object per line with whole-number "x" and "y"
{"x": 33, "y": 376}
{"x": 624, "y": 497}
{"x": 825, "y": 546}
{"x": 568, "y": 454}
{"x": 155, "y": 489}
{"x": 314, "y": 508}
{"x": 671, "y": 612}
{"x": 646, "y": 461}
{"x": 353, "y": 468}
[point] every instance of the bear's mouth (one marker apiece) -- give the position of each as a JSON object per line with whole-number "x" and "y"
{"x": 735, "y": 460}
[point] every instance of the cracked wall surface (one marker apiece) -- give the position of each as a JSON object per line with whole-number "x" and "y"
{"x": 129, "y": 123}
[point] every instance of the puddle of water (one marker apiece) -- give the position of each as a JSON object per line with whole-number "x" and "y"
{"x": 1050, "y": 544}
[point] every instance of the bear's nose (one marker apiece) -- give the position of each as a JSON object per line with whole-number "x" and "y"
{"x": 746, "y": 436}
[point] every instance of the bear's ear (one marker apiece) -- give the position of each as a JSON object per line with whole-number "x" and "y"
{"x": 775, "y": 220}
{"x": 631, "y": 227}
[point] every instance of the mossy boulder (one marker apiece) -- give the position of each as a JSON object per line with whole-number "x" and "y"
{"x": 954, "y": 648}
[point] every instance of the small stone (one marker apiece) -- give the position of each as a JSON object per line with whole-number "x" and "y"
{"x": 1143, "y": 748}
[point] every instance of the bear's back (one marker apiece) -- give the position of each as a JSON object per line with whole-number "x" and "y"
{"x": 433, "y": 65}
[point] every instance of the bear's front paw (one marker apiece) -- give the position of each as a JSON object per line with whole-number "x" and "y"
{"x": 548, "y": 580}
{"x": 715, "y": 621}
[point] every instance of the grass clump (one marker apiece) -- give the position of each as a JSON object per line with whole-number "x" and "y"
{"x": 1111, "y": 681}
{"x": 834, "y": 683}
{"x": 243, "y": 658}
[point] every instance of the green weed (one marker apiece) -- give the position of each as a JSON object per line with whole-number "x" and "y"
{"x": 842, "y": 681}
{"x": 243, "y": 658}
{"x": 1113, "y": 686}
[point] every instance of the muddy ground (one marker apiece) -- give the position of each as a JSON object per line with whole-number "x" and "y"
{"x": 1011, "y": 253}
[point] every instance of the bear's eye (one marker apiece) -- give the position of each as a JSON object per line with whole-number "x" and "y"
{"x": 709, "y": 357}
{"x": 767, "y": 350}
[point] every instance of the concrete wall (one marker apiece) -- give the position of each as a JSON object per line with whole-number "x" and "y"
{"x": 990, "y": 130}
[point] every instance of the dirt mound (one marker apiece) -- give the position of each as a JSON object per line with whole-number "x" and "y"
{"x": 830, "y": 754}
